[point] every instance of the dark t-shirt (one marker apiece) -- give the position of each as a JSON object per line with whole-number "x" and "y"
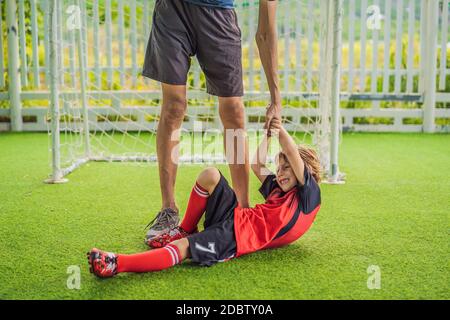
{"x": 227, "y": 4}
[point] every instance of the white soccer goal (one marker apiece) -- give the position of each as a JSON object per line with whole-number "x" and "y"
{"x": 103, "y": 110}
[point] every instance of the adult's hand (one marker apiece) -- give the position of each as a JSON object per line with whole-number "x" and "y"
{"x": 273, "y": 111}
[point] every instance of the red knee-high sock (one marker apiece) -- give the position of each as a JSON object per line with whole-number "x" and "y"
{"x": 195, "y": 209}
{"x": 153, "y": 260}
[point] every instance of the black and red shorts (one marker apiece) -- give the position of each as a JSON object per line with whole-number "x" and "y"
{"x": 217, "y": 242}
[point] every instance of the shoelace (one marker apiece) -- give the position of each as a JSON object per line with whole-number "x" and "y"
{"x": 165, "y": 216}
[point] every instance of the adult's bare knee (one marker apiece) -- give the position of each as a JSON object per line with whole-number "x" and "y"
{"x": 232, "y": 113}
{"x": 173, "y": 111}
{"x": 209, "y": 178}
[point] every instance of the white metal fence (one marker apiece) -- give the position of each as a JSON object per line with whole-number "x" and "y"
{"x": 396, "y": 59}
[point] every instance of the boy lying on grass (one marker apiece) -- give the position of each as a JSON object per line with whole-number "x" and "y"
{"x": 292, "y": 202}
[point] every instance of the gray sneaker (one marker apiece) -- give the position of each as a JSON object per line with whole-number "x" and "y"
{"x": 166, "y": 220}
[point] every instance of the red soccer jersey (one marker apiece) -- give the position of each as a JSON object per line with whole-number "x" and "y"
{"x": 282, "y": 219}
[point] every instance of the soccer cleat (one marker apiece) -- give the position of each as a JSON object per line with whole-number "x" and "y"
{"x": 164, "y": 239}
{"x": 102, "y": 264}
{"x": 166, "y": 220}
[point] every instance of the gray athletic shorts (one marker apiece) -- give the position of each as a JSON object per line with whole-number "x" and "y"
{"x": 181, "y": 30}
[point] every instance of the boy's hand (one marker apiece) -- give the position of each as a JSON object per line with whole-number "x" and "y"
{"x": 273, "y": 111}
{"x": 275, "y": 126}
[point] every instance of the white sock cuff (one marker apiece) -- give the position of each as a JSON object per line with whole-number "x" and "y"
{"x": 174, "y": 253}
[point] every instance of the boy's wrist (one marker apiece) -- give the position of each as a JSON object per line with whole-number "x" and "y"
{"x": 282, "y": 131}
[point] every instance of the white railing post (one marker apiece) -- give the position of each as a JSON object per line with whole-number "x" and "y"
{"x": 335, "y": 90}
{"x": 429, "y": 66}
{"x": 57, "y": 175}
{"x": 82, "y": 60}
{"x": 14, "y": 87}
{"x": 322, "y": 131}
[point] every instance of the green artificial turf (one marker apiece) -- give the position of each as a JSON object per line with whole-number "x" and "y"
{"x": 393, "y": 213}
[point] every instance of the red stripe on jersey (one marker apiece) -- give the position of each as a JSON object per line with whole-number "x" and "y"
{"x": 302, "y": 225}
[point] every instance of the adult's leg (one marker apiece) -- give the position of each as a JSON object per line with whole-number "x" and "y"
{"x": 232, "y": 114}
{"x": 172, "y": 114}
{"x": 219, "y": 52}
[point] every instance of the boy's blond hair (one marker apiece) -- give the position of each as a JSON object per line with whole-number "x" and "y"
{"x": 311, "y": 160}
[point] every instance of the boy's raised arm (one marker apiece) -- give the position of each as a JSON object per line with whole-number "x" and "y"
{"x": 289, "y": 149}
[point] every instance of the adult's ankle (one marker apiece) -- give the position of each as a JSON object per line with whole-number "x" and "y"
{"x": 172, "y": 206}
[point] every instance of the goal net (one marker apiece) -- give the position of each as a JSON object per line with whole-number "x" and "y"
{"x": 104, "y": 110}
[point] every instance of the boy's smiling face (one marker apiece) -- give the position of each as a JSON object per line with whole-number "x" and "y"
{"x": 285, "y": 175}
